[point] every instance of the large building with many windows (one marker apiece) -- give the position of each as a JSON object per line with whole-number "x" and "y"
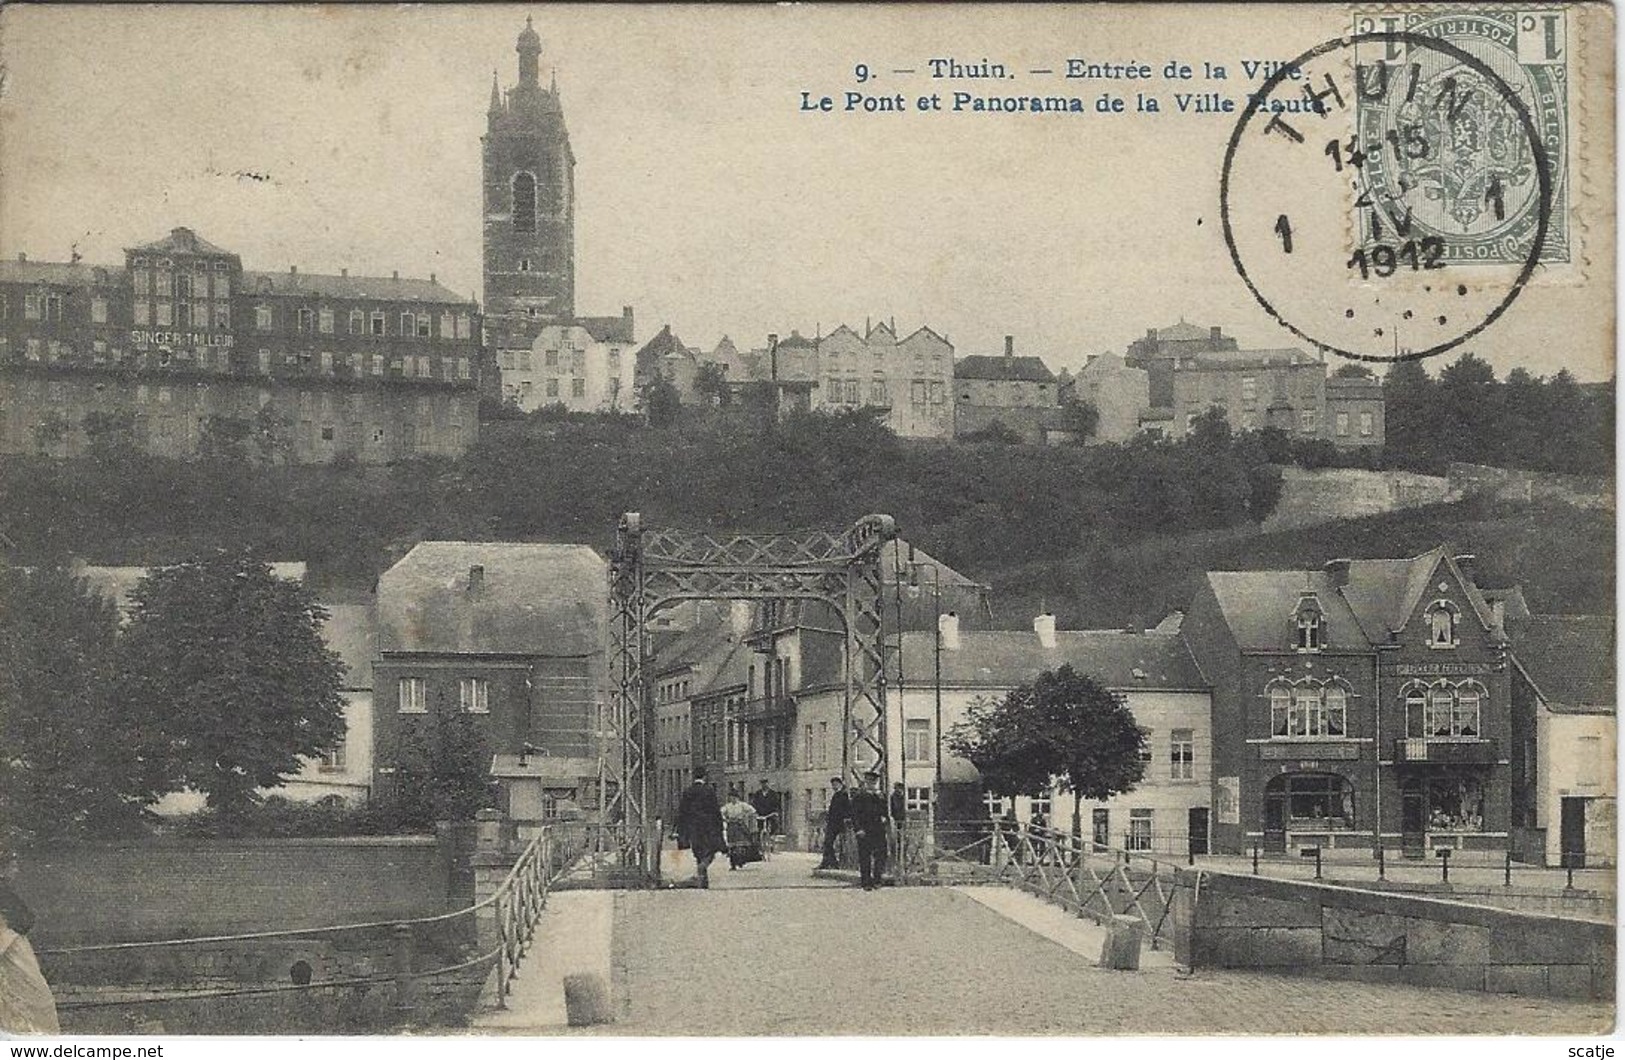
{"x": 181, "y": 348}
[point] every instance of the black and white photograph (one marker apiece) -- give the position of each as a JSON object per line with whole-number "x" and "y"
{"x": 749, "y": 521}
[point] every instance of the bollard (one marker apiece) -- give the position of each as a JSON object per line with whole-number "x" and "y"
{"x": 1508, "y": 870}
{"x": 1255, "y": 859}
{"x": 1120, "y": 951}
{"x": 1317, "y": 863}
{"x": 1569, "y": 864}
{"x": 1444, "y": 863}
{"x": 404, "y": 982}
{"x": 1382, "y": 864}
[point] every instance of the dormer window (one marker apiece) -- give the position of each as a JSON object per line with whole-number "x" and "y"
{"x": 1310, "y": 624}
{"x": 1441, "y": 624}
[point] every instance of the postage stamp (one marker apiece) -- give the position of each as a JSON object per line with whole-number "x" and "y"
{"x": 1462, "y": 164}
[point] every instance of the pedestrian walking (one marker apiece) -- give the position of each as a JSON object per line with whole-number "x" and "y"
{"x": 869, "y": 813}
{"x": 899, "y": 816}
{"x": 835, "y": 820}
{"x": 699, "y": 825}
{"x": 739, "y": 821}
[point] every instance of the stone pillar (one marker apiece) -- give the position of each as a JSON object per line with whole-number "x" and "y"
{"x": 1121, "y": 949}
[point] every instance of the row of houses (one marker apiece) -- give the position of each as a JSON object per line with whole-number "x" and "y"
{"x": 1368, "y": 702}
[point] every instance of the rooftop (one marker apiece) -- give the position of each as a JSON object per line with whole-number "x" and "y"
{"x": 1120, "y": 660}
{"x": 375, "y": 288}
{"x": 1570, "y": 659}
{"x": 1010, "y": 369}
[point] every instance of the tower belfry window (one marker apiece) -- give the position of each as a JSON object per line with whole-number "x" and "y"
{"x": 524, "y": 202}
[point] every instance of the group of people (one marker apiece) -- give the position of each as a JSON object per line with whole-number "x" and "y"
{"x": 707, "y": 827}
{"x": 870, "y": 817}
{"x": 738, "y": 828}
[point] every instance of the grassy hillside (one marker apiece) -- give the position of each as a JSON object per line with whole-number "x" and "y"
{"x": 1563, "y": 557}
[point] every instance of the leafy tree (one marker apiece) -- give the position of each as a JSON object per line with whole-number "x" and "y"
{"x": 662, "y": 404}
{"x": 711, "y": 383}
{"x": 224, "y": 668}
{"x": 442, "y": 768}
{"x": 1352, "y": 370}
{"x": 227, "y": 439}
{"x": 1064, "y": 727}
{"x": 997, "y": 433}
{"x": 68, "y": 767}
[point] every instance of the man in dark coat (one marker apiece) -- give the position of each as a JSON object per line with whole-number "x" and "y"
{"x": 869, "y": 813}
{"x": 699, "y": 825}
{"x": 835, "y": 818}
{"x": 765, "y": 801}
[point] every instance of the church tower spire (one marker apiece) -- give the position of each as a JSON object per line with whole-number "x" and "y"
{"x": 530, "y": 51}
{"x": 496, "y": 97}
{"x": 529, "y": 218}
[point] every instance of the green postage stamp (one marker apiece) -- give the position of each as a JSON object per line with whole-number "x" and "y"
{"x": 1462, "y": 157}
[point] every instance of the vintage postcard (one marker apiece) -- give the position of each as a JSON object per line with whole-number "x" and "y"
{"x": 807, "y": 520}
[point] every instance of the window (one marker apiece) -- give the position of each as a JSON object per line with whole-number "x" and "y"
{"x": 1101, "y": 824}
{"x": 324, "y": 321}
{"x": 524, "y": 202}
{"x": 165, "y": 314}
{"x": 1441, "y": 617}
{"x": 406, "y": 323}
{"x": 1145, "y": 752}
{"x": 918, "y": 392}
{"x": 98, "y": 310}
{"x": 1310, "y": 632}
{"x": 463, "y": 325}
{"x": 333, "y": 761}
{"x": 917, "y": 800}
{"x": 462, "y": 368}
{"x": 823, "y": 744}
{"x": 552, "y": 388}
{"x": 327, "y": 363}
{"x": 551, "y": 358}
{"x": 1038, "y": 811}
{"x": 1139, "y": 829}
{"x": 307, "y": 320}
{"x": 1317, "y": 798}
{"x": 222, "y": 285}
{"x": 1249, "y": 390}
{"x": 994, "y": 804}
{"x": 1181, "y": 755}
{"x": 183, "y": 314}
{"x": 1342, "y": 425}
{"x": 1441, "y": 711}
{"x": 474, "y": 695}
{"x": 806, "y": 746}
{"x": 143, "y": 312}
{"x": 1306, "y": 420}
{"x": 377, "y": 324}
{"x": 377, "y": 364}
{"x": 1455, "y": 803}
{"x": 448, "y": 326}
{"x": 143, "y": 281}
{"x": 1415, "y": 712}
{"x": 578, "y": 387}
{"x": 222, "y": 315}
{"x": 917, "y": 740}
{"x": 938, "y": 392}
{"x": 358, "y": 322}
{"x": 524, "y": 360}
{"x": 423, "y": 325}
{"x": 413, "y": 696}
{"x": 1365, "y": 424}
{"x": 265, "y": 362}
{"x": 1465, "y": 719}
{"x": 262, "y": 317}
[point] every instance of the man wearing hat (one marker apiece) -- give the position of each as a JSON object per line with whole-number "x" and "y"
{"x": 869, "y": 821}
{"x": 835, "y": 818}
{"x": 699, "y": 825}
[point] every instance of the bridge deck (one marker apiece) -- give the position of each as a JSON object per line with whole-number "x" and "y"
{"x": 770, "y": 950}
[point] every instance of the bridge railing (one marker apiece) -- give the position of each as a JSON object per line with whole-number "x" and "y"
{"x": 1089, "y": 879}
{"x": 426, "y": 970}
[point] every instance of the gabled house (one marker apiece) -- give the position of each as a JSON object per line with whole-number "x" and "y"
{"x": 1564, "y": 696}
{"x": 1364, "y": 704}
{"x": 509, "y": 637}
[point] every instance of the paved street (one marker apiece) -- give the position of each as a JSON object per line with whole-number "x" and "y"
{"x": 768, "y": 950}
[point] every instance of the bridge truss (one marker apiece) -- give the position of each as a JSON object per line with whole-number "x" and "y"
{"x": 653, "y": 569}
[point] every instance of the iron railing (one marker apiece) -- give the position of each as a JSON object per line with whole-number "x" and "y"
{"x": 1086, "y": 878}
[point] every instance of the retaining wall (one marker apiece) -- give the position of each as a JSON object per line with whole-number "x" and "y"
{"x": 1343, "y": 933}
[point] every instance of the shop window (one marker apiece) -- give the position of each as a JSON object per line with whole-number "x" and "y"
{"x": 1335, "y": 700}
{"x": 1315, "y": 800}
{"x": 1455, "y": 803}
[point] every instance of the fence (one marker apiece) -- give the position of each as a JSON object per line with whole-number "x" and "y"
{"x": 1088, "y": 879}
{"x": 355, "y": 977}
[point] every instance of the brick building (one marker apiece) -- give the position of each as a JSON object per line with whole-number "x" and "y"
{"x": 512, "y": 637}
{"x": 1018, "y": 393}
{"x": 182, "y": 343}
{"x": 1365, "y": 703}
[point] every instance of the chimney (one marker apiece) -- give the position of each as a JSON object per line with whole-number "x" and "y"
{"x": 1338, "y": 571}
{"x": 1468, "y": 564}
{"x": 1044, "y": 626}
{"x": 395, "y": 275}
{"x": 344, "y": 272}
{"x": 948, "y": 631}
{"x": 21, "y": 257}
{"x": 1151, "y": 333}
{"x": 1213, "y": 333}
{"x": 1009, "y": 346}
{"x": 293, "y": 270}
{"x": 476, "y": 578}
{"x": 626, "y": 312}
{"x": 432, "y": 278}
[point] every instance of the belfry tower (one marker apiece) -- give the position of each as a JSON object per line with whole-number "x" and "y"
{"x": 529, "y": 206}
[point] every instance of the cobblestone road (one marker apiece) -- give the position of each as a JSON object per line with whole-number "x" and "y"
{"x": 752, "y": 956}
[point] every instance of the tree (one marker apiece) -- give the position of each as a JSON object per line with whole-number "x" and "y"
{"x": 662, "y": 403}
{"x": 224, "y": 668}
{"x": 68, "y": 767}
{"x": 1063, "y": 728}
{"x": 711, "y": 383}
{"x": 1352, "y": 370}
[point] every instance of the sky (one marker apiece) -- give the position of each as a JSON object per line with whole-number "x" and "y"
{"x": 337, "y": 136}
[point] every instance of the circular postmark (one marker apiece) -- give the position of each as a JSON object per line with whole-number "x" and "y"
{"x": 1434, "y": 150}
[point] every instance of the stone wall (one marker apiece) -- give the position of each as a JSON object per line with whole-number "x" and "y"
{"x": 143, "y": 889}
{"x": 1229, "y": 921}
{"x": 1515, "y": 484}
{"x": 1310, "y": 497}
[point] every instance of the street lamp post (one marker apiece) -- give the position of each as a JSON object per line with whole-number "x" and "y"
{"x": 916, "y": 566}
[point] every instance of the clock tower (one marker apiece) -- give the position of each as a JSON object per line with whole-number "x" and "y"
{"x": 529, "y": 206}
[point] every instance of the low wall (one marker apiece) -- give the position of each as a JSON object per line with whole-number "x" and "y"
{"x": 1310, "y": 497}
{"x": 1515, "y": 484}
{"x": 1230, "y": 921}
{"x": 90, "y": 893}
